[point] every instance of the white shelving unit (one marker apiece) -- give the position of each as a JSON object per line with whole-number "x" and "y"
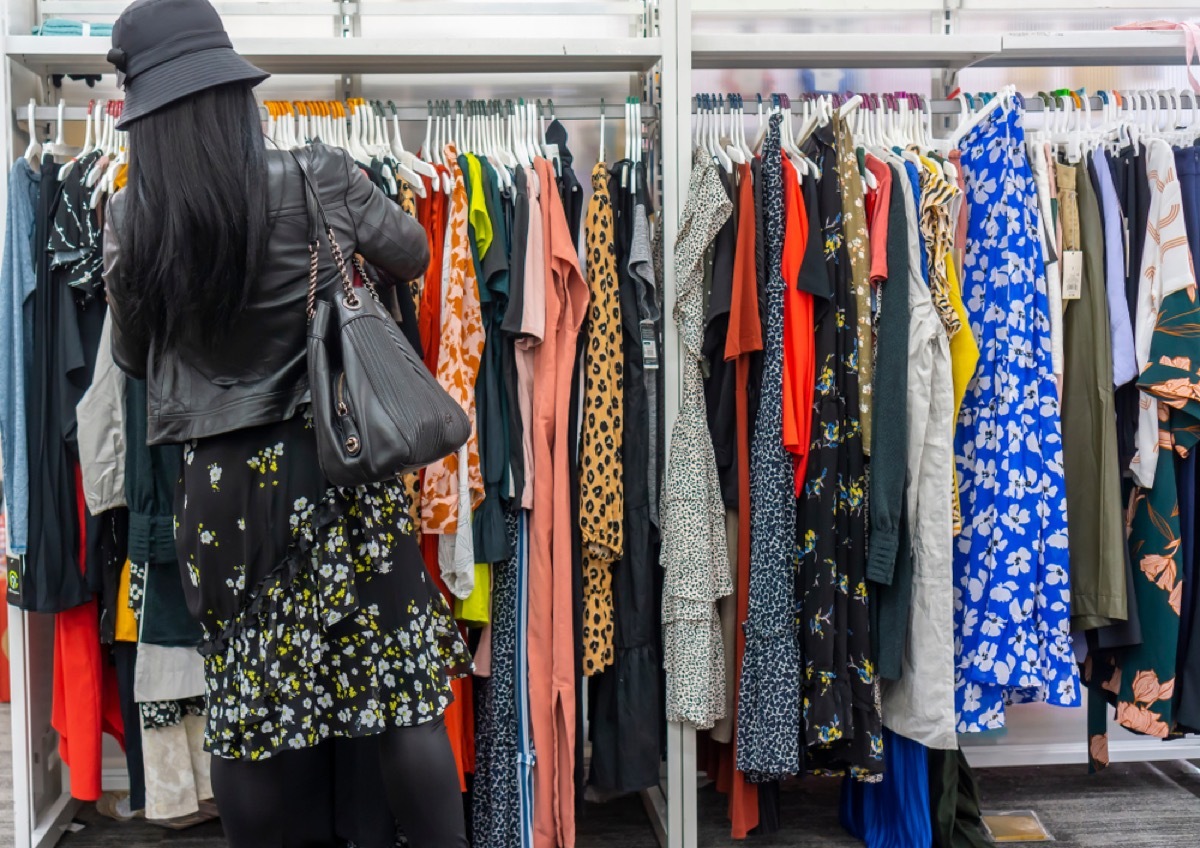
{"x": 838, "y": 50}
{"x": 559, "y": 46}
{"x": 373, "y": 55}
{"x": 1037, "y": 735}
{"x": 672, "y": 51}
{"x": 934, "y": 51}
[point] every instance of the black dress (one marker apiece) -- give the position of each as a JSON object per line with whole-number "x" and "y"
{"x": 320, "y": 619}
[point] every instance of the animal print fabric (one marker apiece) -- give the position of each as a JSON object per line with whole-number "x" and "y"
{"x": 459, "y": 357}
{"x": 937, "y": 195}
{"x": 601, "y": 503}
{"x": 412, "y": 482}
{"x": 495, "y": 802}
{"x": 694, "y": 556}
{"x": 768, "y": 718}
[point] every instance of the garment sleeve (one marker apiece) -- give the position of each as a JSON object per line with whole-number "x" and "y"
{"x": 385, "y": 234}
{"x": 889, "y": 449}
{"x": 130, "y": 349}
{"x": 814, "y": 276}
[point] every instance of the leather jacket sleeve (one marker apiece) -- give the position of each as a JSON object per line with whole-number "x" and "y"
{"x": 130, "y": 350}
{"x": 386, "y": 236}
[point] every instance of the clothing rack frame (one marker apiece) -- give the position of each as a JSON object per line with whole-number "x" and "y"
{"x": 1054, "y": 736}
{"x": 660, "y": 52}
{"x": 42, "y": 804}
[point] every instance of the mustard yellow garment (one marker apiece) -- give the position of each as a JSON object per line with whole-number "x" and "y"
{"x": 964, "y": 357}
{"x": 126, "y": 624}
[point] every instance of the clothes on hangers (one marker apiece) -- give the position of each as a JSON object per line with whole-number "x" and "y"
{"x": 1002, "y": 365}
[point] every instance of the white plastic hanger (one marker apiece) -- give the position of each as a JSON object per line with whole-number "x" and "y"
{"x": 406, "y": 160}
{"x": 720, "y": 154}
{"x": 33, "y": 153}
{"x": 628, "y": 152}
{"x": 1001, "y": 99}
{"x": 89, "y": 143}
{"x": 737, "y": 126}
{"x": 514, "y": 138}
{"x": 1188, "y": 130}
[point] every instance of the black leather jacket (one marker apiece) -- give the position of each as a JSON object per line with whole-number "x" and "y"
{"x": 258, "y": 374}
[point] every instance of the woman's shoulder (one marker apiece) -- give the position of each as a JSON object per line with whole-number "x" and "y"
{"x": 329, "y": 166}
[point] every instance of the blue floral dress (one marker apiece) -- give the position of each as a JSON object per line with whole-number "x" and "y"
{"x": 1012, "y": 585}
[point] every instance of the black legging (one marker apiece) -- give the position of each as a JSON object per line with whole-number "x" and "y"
{"x": 287, "y": 801}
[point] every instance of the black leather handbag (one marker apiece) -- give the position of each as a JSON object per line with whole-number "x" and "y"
{"x": 377, "y": 410}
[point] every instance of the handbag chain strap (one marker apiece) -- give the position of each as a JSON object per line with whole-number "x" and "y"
{"x": 313, "y": 202}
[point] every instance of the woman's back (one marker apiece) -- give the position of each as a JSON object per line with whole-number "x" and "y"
{"x": 212, "y": 380}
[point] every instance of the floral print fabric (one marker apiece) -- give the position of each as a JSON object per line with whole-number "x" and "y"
{"x": 1141, "y": 680}
{"x": 840, "y": 698}
{"x": 320, "y": 619}
{"x": 460, "y": 352}
{"x": 1012, "y": 584}
{"x": 854, "y": 223}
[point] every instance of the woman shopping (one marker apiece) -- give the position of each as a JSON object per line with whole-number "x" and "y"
{"x": 327, "y": 648}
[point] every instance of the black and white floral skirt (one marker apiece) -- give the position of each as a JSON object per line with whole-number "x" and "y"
{"x": 320, "y": 620}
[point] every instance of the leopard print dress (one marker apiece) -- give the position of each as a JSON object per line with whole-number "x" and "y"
{"x": 601, "y": 497}
{"x": 695, "y": 558}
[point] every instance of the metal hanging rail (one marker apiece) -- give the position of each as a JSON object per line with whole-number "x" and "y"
{"x": 406, "y": 113}
{"x": 422, "y": 8}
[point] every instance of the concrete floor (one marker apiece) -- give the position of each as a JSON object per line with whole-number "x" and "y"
{"x": 1148, "y": 805}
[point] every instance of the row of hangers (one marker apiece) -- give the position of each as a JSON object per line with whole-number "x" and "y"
{"x": 359, "y": 126}
{"x": 720, "y": 126}
{"x": 508, "y": 133}
{"x": 903, "y": 120}
{"x": 1125, "y": 118}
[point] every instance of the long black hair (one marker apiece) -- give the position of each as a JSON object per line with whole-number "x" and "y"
{"x": 195, "y": 230}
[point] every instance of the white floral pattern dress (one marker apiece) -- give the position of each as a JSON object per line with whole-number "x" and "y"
{"x": 320, "y": 619}
{"x": 1012, "y": 592}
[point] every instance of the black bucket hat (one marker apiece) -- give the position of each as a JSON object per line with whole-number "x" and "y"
{"x": 165, "y": 50}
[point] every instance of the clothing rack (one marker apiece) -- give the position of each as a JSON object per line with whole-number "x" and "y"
{"x": 661, "y": 50}
{"x": 414, "y": 113}
{"x": 943, "y": 51}
{"x": 556, "y": 48}
{"x": 940, "y": 106}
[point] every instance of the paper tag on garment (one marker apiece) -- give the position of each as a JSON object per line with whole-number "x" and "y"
{"x": 1072, "y": 274}
{"x": 649, "y": 346}
{"x": 15, "y": 568}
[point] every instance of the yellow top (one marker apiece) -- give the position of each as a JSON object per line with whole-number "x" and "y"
{"x": 964, "y": 358}
{"x": 478, "y": 208}
{"x": 126, "y": 624}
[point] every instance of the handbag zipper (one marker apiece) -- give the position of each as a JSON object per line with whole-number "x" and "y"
{"x": 351, "y": 442}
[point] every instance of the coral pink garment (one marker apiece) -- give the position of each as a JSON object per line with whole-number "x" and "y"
{"x": 551, "y": 631}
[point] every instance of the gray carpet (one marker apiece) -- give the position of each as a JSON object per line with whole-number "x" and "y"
{"x": 1150, "y": 806}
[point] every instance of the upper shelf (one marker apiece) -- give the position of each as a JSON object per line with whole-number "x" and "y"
{"x": 1101, "y": 47}
{"x": 905, "y": 50}
{"x": 839, "y": 50}
{"x": 48, "y": 55}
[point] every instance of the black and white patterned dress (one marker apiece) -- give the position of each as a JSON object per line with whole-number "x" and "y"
{"x": 768, "y": 718}
{"x": 320, "y": 620}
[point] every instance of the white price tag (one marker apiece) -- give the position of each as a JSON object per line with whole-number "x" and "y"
{"x": 1072, "y": 271}
{"x": 649, "y": 346}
